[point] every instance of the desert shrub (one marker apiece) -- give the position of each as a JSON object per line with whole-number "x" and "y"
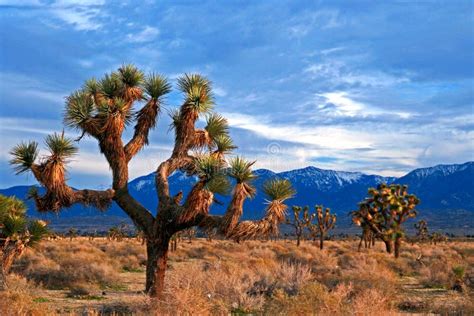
{"x": 58, "y": 267}
{"x": 20, "y": 299}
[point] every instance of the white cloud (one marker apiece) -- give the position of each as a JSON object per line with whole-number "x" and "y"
{"x": 327, "y": 136}
{"x": 81, "y": 18}
{"x": 83, "y": 15}
{"x": 337, "y": 71}
{"x": 322, "y": 19}
{"x": 148, "y": 34}
{"x": 85, "y": 63}
{"x": 219, "y": 91}
{"x": 339, "y": 103}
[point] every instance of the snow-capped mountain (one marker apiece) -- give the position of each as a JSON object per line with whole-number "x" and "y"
{"x": 443, "y": 188}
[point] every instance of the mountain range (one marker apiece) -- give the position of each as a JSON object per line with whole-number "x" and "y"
{"x": 446, "y": 193}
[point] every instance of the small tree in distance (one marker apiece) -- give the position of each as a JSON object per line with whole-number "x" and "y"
{"x": 298, "y": 222}
{"x": 421, "y": 231}
{"x": 326, "y": 222}
{"x": 16, "y": 233}
{"x": 103, "y": 109}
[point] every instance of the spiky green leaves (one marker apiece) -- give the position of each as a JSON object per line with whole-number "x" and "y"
{"x": 216, "y": 126}
{"x": 122, "y": 107}
{"x": 37, "y": 231}
{"x": 224, "y": 144}
{"x": 79, "y": 108}
{"x": 279, "y": 189}
{"x": 11, "y": 206}
{"x": 60, "y": 146}
{"x": 111, "y": 86}
{"x": 241, "y": 170}
{"x": 91, "y": 86}
{"x": 210, "y": 170}
{"x": 24, "y": 155}
{"x": 219, "y": 184}
{"x": 15, "y": 226}
{"x": 130, "y": 75}
{"x": 156, "y": 86}
{"x": 208, "y": 166}
{"x": 197, "y": 91}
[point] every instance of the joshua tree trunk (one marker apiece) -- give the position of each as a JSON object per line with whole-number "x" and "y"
{"x": 388, "y": 245}
{"x": 398, "y": 243}
{"x": 321, "y": 241}
{"x": 8, "y": 255}
{"x": 3, "y": 279}
{"x": 360, "y": 242}
{"x": 157, "y": 257}
{"x": 298, "y": 240}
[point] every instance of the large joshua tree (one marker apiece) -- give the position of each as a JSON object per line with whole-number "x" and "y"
{"x": 17, "y": 233}
{"x": 103, "y": 109}
{"x": 384, "y": 211}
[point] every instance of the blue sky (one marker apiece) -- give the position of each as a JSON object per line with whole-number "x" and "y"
{"x": 372, "y": 86}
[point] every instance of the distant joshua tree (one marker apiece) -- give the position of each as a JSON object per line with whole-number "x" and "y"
{"x": 421, "y": 231}
{"x": 437, "y": 237}
{"x": 72, "y": 233}
{"x": 17, "y": 233}
{"x": 102, "y": 110}
{"x": 384, "y": 211}
{"x": 298, "y": 221}
{"x": 117, "y": 233}
{"x": 326, "y": 222}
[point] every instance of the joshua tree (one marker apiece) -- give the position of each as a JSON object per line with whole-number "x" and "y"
{"x": 16, "y": 233}
{"x": 72, "y": 233}
{"x": 384, "y": 212}
{"x": 116, "y": 233}
{"x": 299, "y": 223}
{"x": 437, "y": 237}
{"x": 326, "y": 222}
{"x": 103, "y": 109}
{"x": 421, "y": 230}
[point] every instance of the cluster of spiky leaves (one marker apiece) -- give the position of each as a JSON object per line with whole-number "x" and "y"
{"x": 60, "y": 147}
{"x": 15, "y": 227}
{"x": 90, "y": 108}
{"x": 385, "y": 210}
{"x": 24, "y": 156}
{"x": 197, "y": 92}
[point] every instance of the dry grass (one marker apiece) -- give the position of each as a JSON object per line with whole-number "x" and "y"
{"x": 222, "y": 277}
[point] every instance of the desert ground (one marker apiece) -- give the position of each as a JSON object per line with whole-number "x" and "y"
{"x": 95, "y": 277}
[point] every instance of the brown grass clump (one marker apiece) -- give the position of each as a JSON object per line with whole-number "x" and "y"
{"x": 63, "y": 265}
{"x": 21, "y": 298}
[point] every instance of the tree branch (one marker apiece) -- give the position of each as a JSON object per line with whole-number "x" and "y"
{"x": 146, "y": 120}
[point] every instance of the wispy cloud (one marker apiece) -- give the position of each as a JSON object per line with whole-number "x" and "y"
{"x": 309, "y": 21}
{"x": 338, "y": 71}
{"x": 339, "y": 103}
{"x": 148, "y": 34}
{"x": 17, "y": 85}
{"x": 83, "y": 15}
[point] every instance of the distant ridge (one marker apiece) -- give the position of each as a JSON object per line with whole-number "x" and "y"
{"x": 446, "y": 193}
